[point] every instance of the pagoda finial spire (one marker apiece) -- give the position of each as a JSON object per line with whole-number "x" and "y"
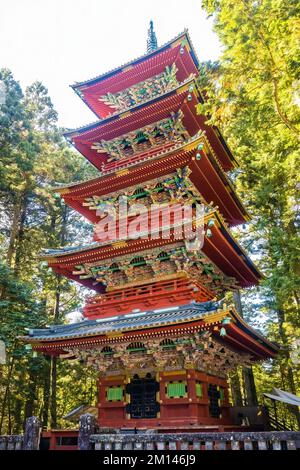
{"x": 151, "y": 40}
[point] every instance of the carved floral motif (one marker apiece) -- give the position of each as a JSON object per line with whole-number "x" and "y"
{"x": 153, "y": 135}
{"x": 142, "y": 91}
{"x": 201, "y": 351}
{"x": 153, "y": 264}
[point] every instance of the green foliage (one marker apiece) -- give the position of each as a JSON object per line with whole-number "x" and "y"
{"x": 252, "y": 93}
{"x": 33, "y": 158}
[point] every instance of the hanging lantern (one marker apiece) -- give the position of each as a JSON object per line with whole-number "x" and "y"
{"x": 198, "y": 156}
{"x": 208, "y": 233}
{"x": 182, "y": 50}
{"x": 189, "y": 97}
{"x": 211, "y": 222}
{"x": 223, "y": 331}
{"x": 191, "y": 88}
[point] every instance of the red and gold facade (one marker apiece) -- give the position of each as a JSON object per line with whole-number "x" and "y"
{"x": 156, "y": 328}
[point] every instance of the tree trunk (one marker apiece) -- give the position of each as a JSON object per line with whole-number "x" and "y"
{"x": 31, "y": 398}
{"x": 18, "y": 415}
{"x": 53, "y": 411}
{"x": 14, "y": 231}
{"x": 238, "y": 302}
{"x": 18, "y": 404}
{"x": 289, "y": 370}
{"x": 53, "y": 403}
{"x": 235, "y": 387}
{"x": 250, "y": 389}
{"x": 6, "y": 393}
{"x": 247, "y": 372}
{"x": 9, "y": 412}
{"x": 46, "y": 392}
{"x": 20, "y": 237}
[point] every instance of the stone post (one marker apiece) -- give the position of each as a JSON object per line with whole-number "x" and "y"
{"x": 32, "y": 434}
{"x": 87, "y": 424}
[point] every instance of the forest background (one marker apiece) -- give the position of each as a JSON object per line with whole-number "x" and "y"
{"x": 253, "y": 95}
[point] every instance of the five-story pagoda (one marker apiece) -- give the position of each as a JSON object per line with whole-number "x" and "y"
{"x": 157, "y": 329}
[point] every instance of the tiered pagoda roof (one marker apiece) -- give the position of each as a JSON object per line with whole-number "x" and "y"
{"x": 219, "y": 247}
{"x": 206, "y": 175}
{"x": 169, "y": 322}
{"x": 183, "y": 97}
{"x": 149, "y": 131}
{"x": 178, "y": 51}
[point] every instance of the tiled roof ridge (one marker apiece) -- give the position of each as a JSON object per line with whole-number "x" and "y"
{"x": 209, "y": 307}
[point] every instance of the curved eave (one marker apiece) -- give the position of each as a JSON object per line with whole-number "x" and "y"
{"x": 243, "y": 326}
{"x": 140, "y": 59}
{"x": 133, "y": 74}
{"x": 239, "y": 335}
{"x": 84, "y": 130}
{"x": 223, "y": 251}
{"x": 207, "y": 176}
{"x": 147, "y": 113}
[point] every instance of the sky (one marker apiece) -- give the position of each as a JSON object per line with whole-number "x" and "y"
{"x": 60, "y": 42}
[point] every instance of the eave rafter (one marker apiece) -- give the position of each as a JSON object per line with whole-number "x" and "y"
{"x": 184, "y": 98}
{"x": 206, "y": 174}
{"x": 223, "y": 325}
{"x": 219, "y": 247}
{"x": 178, "y": 50}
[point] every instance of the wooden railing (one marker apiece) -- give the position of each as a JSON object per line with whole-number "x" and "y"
{"x": 287, "y": 440}
{"x": 134, "y": 159}
{"x": 121, "y": 299}
{"x": 59, "y": 439}
{"x": 134, "y": 292}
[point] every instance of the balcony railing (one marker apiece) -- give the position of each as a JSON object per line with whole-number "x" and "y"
{"x": 179, "y": 289}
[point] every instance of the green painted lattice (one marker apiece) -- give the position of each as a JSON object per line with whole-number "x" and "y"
{"x": 199, "y": 390}
{"x": 222, "y": 394}
{"x": 176, "y": 389}
{"x": 114, "y": 394}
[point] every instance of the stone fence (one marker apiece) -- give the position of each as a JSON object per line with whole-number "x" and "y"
{"x": 89, "y": 439}
{"x": 198, "y": 441}
{"x": 30, "y": 440}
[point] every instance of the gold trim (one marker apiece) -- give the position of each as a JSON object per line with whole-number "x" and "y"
{"x": 215, "y": 317}
{"x": 174, "y": 372}
{"x": 177, "y": 43}
{"x": 119, "y": 244}
{"x": 178, "y": 274}
{"x": 124, "y": 115}
{"x": 62, "y": 191}
{"x": 114, "y": 335}
{"x": 122, "y": 172}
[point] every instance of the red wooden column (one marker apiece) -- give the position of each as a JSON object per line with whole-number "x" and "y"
{"x": 192, "y": 397}
{"x": 111, "y": 413}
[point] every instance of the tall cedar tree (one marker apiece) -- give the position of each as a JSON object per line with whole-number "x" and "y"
{"x": 253, "y": 94}
{"x": 33, "y": 157}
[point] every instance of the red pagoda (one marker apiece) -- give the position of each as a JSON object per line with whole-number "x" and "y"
{"x": 157, "y": 328}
